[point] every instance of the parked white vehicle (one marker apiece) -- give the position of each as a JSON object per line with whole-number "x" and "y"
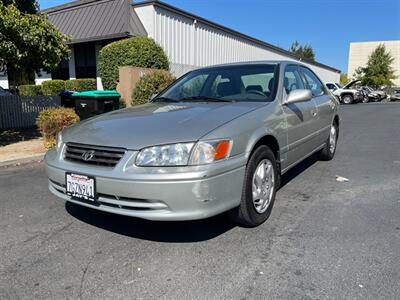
{"x": 345, "y": 94}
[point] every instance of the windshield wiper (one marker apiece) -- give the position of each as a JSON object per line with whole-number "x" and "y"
{"x": 205, "y": 99}
{"x": 164, "y": 99}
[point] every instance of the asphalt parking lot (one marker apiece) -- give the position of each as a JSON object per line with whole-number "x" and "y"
{"x": 325, "y": 239}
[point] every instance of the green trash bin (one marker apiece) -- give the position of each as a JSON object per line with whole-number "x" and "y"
{"x": 92, "y": 103}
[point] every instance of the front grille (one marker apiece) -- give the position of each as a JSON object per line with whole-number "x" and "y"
{"x": 93, "y": 155}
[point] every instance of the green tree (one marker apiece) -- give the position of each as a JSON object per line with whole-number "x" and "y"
{"x": 343, "y": 78}
{"x": 303, "y": 52}
{"x": 28, "y": 43}
{"x": 379, "y": 71}
{"x": 358, "y": 73}
{"x": 24, "y": 6}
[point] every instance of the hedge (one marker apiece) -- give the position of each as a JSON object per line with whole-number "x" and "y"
{"x": 29, "y": 90}
{"x": 53, "y": 87}
{"x": 52, "y": 121}
{"x": 79, "y": 85}
{"x": 136, "y": 51}
{"x": 150, "y": 84}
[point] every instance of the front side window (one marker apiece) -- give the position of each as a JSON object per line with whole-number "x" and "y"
{"x": 331, "y": 86}
{"x": 312, "y": 82}
{"x": 231, "y": 83}
{"x": 292, "y": 80}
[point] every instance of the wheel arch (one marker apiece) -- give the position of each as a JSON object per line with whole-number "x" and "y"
{"x": 336, "y": 119}
{"x": 270, "y": 141}
{"x": 346, "y": 94}
{"x": 267, "y": 140}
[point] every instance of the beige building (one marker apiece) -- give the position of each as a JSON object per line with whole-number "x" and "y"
{"x": 359, "y": 52}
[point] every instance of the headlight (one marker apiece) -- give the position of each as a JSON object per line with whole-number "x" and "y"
{"x": 183, "y": 154}
{"x": 167, "y": 155}
{"x": 59, "y": 142}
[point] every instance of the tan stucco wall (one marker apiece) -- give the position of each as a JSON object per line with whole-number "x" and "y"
{"x": 128, "y": 78}
{"x": 359, "y": 52}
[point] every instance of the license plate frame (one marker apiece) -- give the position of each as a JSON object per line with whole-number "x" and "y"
{"x": 90, "y": 197}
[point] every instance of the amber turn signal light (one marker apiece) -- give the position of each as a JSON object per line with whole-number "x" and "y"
{"x": 222, "y": 150}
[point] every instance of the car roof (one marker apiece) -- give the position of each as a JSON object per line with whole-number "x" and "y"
{"x": 255, "y": 62}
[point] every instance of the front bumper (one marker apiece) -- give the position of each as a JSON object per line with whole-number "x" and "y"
{"x": 155, "y": 193}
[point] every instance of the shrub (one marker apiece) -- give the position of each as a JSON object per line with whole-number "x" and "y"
{"x": 79, "y": 85}
{"x": 29, "y": 90}
{"x": 53, "y": 87}
{"x": 52, "y": 120}
{"x": 136, "y": 51}
{"x": 150, "y": 84}
{"x": 122, "y": 103}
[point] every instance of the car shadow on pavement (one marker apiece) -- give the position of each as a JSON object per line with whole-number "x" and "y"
{"x": 170, "y": 232}
{"x": 298, "y": 169}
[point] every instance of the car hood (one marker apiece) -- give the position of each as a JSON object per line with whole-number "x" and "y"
{"x": 155, "y": 124}
{"x": 351, "y": 83}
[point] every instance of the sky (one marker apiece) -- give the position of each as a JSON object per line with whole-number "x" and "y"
{"x": 327, "y": 25}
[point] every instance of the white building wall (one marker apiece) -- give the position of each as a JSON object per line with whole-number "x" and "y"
{"x": 191, "y": 43}
{"x": 359, "y": 52}
{"x": 3, "y": 81}
{"x": 44, "y": 76}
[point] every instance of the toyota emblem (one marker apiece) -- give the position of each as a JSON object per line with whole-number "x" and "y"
{"x": 88, "y": 155}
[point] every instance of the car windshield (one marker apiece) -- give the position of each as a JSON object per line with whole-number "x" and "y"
{"x": 231, "y": 83}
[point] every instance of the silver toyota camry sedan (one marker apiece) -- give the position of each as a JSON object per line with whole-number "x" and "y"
{"x": 218, "y": 139}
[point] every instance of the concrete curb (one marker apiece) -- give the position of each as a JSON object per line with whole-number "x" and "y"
{"x": 22, "y": 161}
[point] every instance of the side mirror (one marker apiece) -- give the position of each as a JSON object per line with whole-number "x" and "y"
{"x": 298, "y": 96}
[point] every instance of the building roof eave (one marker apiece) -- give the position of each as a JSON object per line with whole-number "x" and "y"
{"x": 100, "y": 38}
{"x": 271, "y": 47}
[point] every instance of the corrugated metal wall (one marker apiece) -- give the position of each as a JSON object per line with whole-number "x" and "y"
{"x": 192, "y": 44}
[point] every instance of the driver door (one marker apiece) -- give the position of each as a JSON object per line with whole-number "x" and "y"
{"x": 301, "y": 119}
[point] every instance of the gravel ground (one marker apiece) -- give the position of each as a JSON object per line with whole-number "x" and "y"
{"x": 325, "y": 239}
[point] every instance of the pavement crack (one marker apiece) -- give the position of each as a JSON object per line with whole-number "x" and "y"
{"x": 85, "y": 269}
{"x": 52, "y": 234}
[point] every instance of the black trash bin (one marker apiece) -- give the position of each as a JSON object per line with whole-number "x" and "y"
{"x": 66, "y": 99}
{"x": 92, "y": 103}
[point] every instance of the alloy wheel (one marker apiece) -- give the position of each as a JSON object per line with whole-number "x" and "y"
{"x": 263, "y": 185}
{"x": 332, "y": 139}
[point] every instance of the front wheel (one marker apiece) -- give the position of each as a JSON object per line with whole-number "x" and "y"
{"x": 347, "y": 99}
{"x": 259, "y": 189}
{"x": 365, "y": 99}
{"x": 328, "y": 152}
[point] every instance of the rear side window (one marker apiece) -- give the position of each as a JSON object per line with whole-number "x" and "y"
{"x": 312, "y": 82}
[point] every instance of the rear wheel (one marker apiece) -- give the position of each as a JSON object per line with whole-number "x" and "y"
{"x": 328, "y": 152}
{"x": 347, "y": 99}
{"x": 259, "y": 189}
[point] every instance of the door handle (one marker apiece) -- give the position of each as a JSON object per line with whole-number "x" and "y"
{"x": 314, "y": 113}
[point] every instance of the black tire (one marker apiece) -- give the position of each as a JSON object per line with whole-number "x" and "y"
{"x": 326, "y": 153}
{"x": 347, "y": 99}
{"x": 246, "y": 213}
{"x": 365, "y": 99}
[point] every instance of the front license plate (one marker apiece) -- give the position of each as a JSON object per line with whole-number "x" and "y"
{"x": 81, "y": 187}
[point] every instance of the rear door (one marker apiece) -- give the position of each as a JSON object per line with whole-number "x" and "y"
{"x": 301, "y": 119}
{"x": 322, "y": 100}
